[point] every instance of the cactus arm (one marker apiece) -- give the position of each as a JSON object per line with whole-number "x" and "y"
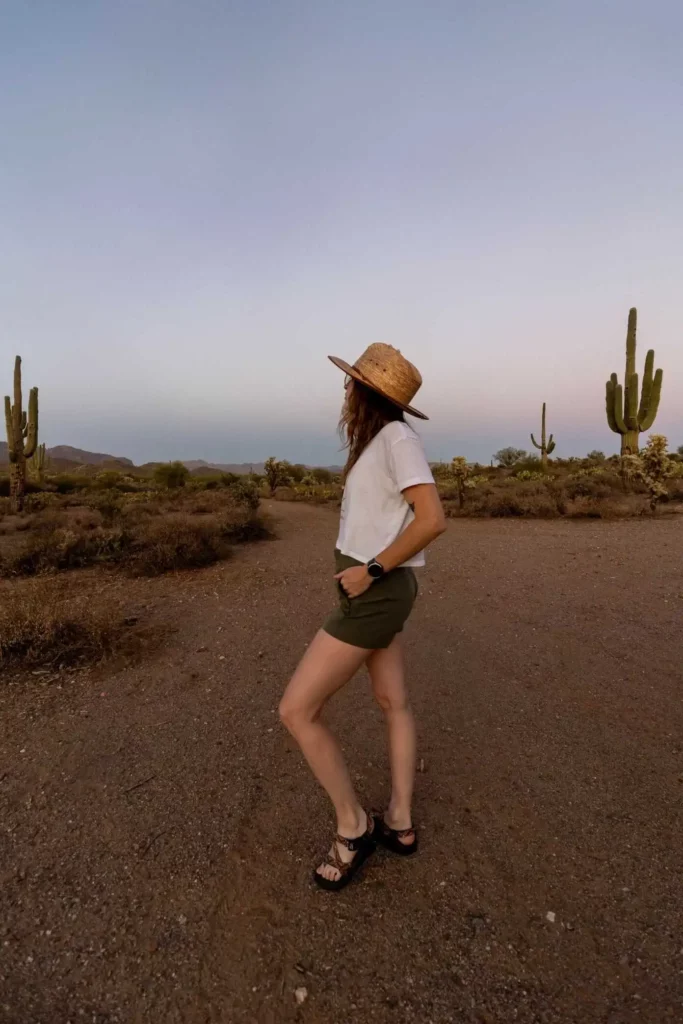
{"x": 16, "y": 409}
{"x": 619, "y": 408}
{"x": 535, "y": 443}
{"x": 9, "y": 423}
{"x": 609, "y": 405}
{"x": 615, "y": 424}
{"x": 631, "y": 344}
{"x": 551, "y": 445}
{"x": 655, "y": 396}
{"x": 32, "y": 426}
{"x": 646, "y": 392}
{"x": 631, "y": 402}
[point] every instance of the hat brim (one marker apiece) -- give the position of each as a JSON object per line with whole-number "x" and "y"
{"x": 353, "y": 372}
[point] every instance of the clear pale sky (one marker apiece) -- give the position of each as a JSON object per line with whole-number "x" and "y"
{"x": 200, "y": 200}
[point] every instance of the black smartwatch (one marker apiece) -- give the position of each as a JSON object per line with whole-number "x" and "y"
{"x": 375, "y": 569}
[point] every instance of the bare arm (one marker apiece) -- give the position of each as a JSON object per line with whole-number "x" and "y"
{"x": 428, "y": 524}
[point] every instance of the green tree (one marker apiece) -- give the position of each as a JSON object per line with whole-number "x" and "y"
{"x": 508, "y": 457}
{"x": 321, "y": 475}
{"x": 277, "y": 473}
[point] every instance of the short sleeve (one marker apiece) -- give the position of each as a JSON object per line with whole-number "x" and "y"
{"x": 409, "y": 466}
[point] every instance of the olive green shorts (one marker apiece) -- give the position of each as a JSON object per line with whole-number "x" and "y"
{"x": 372, "y": 620}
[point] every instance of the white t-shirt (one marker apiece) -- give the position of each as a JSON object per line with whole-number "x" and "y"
{"x": 374, "y": 511}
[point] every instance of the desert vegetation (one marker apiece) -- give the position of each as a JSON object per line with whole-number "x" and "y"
{"x": 57, "y": 517}
{"x": 107, "y": 523}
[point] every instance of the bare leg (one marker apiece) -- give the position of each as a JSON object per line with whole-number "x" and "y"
{"x": 389, "y": 688}
{"x": 326, "y": 666}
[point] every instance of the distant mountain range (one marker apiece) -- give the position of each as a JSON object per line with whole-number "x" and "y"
{"x": 65, "y": 458}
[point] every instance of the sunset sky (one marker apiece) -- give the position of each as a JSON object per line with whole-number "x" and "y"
{"x": 200, "y": 201}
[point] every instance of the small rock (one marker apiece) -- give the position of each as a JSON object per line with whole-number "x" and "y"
{"x": 478, "y": 925}
{"x": 301, "y": 995}
{"x": 421, "y": 764}
{"x": 182, "y": 919}
{"x": 550, "y": 916}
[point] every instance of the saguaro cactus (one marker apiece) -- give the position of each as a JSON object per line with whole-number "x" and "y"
{"x": 39, "y": 463}
{"x": 624, "y": 415}
{"x": 22, "y": 437}
{"x": 546, "y": 448}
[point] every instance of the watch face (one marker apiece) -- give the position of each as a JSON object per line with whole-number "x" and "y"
{"x": 375, "y": 570}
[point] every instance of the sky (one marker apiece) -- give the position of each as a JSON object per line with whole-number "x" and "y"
{"x": 200, "y": 201}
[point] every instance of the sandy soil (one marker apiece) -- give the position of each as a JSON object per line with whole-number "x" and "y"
{"x": 158, "y": 828}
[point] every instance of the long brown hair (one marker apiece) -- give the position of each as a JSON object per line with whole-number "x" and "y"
{"x": 364, "y": 414}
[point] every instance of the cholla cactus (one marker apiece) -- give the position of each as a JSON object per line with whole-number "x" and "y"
{"x": 653, "y": 467}
{"x": 461, "y": 471}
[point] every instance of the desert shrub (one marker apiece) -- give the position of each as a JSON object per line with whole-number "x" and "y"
{"x": 532, "y": 474}
{"x": 108, "y": 478}
{"x": 32, "y": 486}
{"x": 175, "y": 542}
{"x": 171, "y": 474}
{"x": 52, "y": 546}
{"x": 284, "y": 493}
{"x": 596, "y": 456}
{"x": 296, "y": 472}
{"x": 321, "y": 475}
{"x": 245, "y": 492}
{"x": 108, "y": 503}
{"x": 508, "y": 457}
{"x": 42, "y": 626}
{"x": 528, "y": 464}
{"x": 67, "y": 483}
{"x": 613, "y": 507}
{"x": 42, "y": 500}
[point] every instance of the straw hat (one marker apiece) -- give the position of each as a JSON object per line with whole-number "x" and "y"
{"x": 386, "y": 371}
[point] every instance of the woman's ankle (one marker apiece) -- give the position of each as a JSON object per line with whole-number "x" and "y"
{"x": 398, "y": 815}
{"x": 351, "y": 821}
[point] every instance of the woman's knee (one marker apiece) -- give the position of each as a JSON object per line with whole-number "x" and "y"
{"x": 391, "y": 702}
{"x": 294, "y": 714}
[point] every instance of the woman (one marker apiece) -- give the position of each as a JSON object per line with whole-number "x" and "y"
{"x": 390, "y": 513}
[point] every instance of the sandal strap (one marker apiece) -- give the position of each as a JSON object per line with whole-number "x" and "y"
{"x": 400, "y": 833}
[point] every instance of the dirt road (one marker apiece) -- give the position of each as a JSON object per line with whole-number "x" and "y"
{"x": 157, "y": 827}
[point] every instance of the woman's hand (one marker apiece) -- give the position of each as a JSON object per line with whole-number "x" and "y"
{"x": 355, "y": 581}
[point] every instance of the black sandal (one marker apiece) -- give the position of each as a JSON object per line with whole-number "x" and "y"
{"x": 391, "y": 837}
{"x": 362, "y": 847}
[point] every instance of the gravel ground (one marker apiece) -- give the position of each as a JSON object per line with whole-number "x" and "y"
{"x": 158, "y": 827}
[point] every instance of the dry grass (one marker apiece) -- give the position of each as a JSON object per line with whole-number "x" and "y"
{"x": 145, "y": 535}
{"x": 41, "y": 626}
